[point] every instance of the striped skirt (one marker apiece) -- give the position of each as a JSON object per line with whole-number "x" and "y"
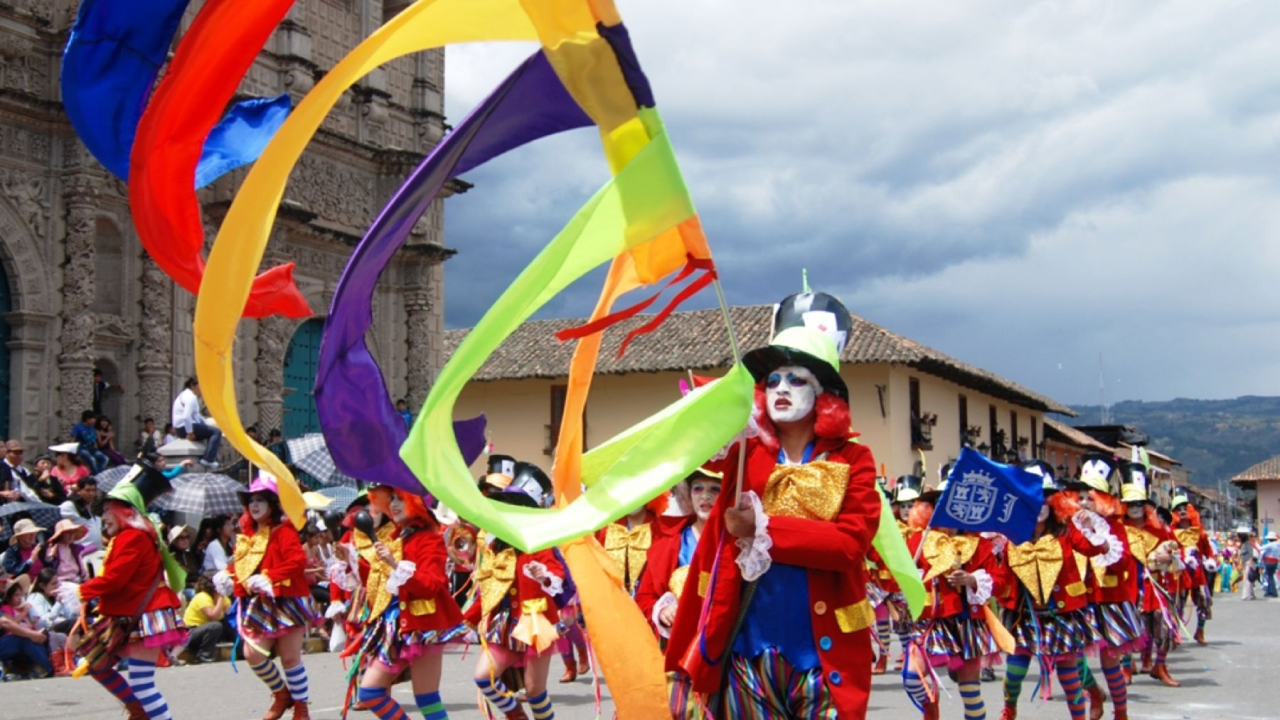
{"x": 499, "y": 628}
{"x": 960, "y": 638}
{"x": 1121, "y": 627}
{"x": 1052, "y": 635}
{"x": 106, "y": 636}
{"x": 264, "y": 617}
{"x": 383, "y": 641}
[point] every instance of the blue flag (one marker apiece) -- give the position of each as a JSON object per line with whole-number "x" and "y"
{"x": 982, "y": 495}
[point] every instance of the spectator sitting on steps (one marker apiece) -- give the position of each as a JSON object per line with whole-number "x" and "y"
{"x": 191, "y": 425}
{"x": 85, "y": 433}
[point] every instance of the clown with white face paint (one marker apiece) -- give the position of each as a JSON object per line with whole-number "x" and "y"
{"x": 669, "y": 558}
{"x": 809, "y": 509}
{"x": 268, "y": 577}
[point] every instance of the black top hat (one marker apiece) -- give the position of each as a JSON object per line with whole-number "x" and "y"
{"x": 907, "y": 488}
{"x": 514, "y": 497}
{"x": 151, "y": 483}
{"x": 1095, "y": 471}
{"x": 818, "y": 311}
{"x": 1134, "y": 483}
{"x": 532, "y": 481}
{"x": 501, "y": 471}
{"x": 1049, "y": 479}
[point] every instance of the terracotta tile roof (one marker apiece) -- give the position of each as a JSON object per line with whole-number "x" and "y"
{"x": 696, "y": 340}
{"x": 1265, "y": 470}
{"x": 1076, "y": 437}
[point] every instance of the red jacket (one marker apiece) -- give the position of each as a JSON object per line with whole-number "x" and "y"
{"x": 1118, "y": 582}
{"x": 1144, "y": 538}
{"x": 834, "y": 553}
{"x": 1070, "y": 590}
{"x": 284, "y": 563}
{"x": 129, "y": 570}
{"x": 425, "y": 601}
{"x": 1193, "y": 537}
{"x": 944, "y": 600}
{"x": 664, "y": 558}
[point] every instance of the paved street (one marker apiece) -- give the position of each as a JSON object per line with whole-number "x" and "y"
{"x": 1234, "y": 677}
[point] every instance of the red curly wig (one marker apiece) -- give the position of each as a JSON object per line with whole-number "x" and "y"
{"x": 1064, "y": 505}
{"x": 921, "y": 514}
{"x": 1106, "y": 504}
{"x": 1193, "y": 517}
{"x": 831, "y": 418}
{"x": 416, "y": 510}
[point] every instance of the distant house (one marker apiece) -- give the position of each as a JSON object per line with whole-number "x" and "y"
{"x": 907, "y": 400}
{"x": 1066, "y": 444}
{"x": 1265, "y": 479}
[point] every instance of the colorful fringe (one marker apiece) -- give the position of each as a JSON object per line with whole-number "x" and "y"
{"x": 767, "y": 687}
{"x": 384, "y": 642}
{"x": 1121, "y": 627}
{"x": 1051, "y": 636}
{"x": 960, "y": 638}
{"x": 498, "y": 631}
{"x": 105, "y": 635}
{"x": 268, "y": 617}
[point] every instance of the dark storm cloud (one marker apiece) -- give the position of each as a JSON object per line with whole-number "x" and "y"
{"x": 1022, "y": 186}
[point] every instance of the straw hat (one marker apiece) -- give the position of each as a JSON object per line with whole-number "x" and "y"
{"x": 69, "y": 527}
{"x": 24, "y": 527}
{"x": 8, "y": 582}
{"x": 178, "y": 532}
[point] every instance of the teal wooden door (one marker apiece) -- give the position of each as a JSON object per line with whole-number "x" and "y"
{"x": 300, "y": 364}
{"x": 6, "y": 305}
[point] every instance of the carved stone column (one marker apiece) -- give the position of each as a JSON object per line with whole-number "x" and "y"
{"x": 155, "y": 359}
{"x": 75, "y": 363}
{"x": 273, "y": 340}
{"x": 419, "y": 307}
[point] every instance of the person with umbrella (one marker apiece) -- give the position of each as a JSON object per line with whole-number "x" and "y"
{"x": 267, "y": 574}
{"x": 412, "y": 614}
{"x": 136, "y": 616}
{"x": 23, "y": 555}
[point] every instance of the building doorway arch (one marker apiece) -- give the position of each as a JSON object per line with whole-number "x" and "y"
{"x": 301, "y": 361}
{"x": 6, "y": 306}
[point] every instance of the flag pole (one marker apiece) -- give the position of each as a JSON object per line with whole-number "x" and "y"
{"x": 737, "y": 360}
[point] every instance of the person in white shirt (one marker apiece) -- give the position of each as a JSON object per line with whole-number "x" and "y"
{"x": 189, "y": 423}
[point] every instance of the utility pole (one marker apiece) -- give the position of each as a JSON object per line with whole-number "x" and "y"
{"x": 1105, "y": 418}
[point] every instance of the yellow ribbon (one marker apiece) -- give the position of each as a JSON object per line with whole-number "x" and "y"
{"x": 534, "y": 629}
{"x": 813, "y": 491}
{"x": 946, "y": 553}
{"x": 1037, "y": 565}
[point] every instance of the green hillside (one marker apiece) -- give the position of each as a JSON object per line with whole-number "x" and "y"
{"x": 1213, "y": 438}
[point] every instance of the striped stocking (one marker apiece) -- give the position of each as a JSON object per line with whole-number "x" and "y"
{"x": 541, "y": 707}
{"x": 296, "y": 678}
{"x": 1069, "y": 678}
{"x": 1015, "y": 672}
{"x": 1119, "y": 690}
{"x": 142, "y": 678}
{"x": 431, "y": 706}
{"x": 380, "y": 703}
{"x": 497, "y": 694}
{"x": 269, "y": 675}
{"x": 971, "y": 696}
{"x": 115, "y": 684}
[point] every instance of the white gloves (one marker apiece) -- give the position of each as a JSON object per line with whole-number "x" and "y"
{"x": 224, "y": 584}
{"x": 259, "y": 584}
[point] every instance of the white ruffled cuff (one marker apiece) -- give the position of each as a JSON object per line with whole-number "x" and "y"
{"x": 404, "y": 570}
{"x": 1115, "y": 551}
{"x": 981, "y": 594}
{"x": 339, "y": 576}
{"x": 667, "y": 600}
{"x": 753, "y": 558}
{"x": 1192, "y": 562}
{"x": 1096, "y": 532}
{"x": 259, "y": 584}
{"x": 335, "y": 609}
{"x": 551, "y": 583}
{"x": 223, "y": 583}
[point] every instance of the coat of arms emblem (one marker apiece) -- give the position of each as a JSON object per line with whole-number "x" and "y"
{"x": 973, "y": 499}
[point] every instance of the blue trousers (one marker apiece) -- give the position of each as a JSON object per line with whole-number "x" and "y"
{"x": 13, "y": 648}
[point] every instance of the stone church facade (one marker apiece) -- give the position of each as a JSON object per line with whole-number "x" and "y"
{"x": 78, "y": 292}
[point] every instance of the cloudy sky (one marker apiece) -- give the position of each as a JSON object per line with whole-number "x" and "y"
{"x": 1025, "y": 186}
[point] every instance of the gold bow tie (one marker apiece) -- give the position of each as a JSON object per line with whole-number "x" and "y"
{"x": 947, "y": 552}
{"x": 379, "y": 573}
{"x": 1188, "y": 537}
{"x": 494, "y": 577}
{"x": 250, "y": 549}
{"x": 1037, "y": 565}
{"x": 813, "y": 491}
{"x": 1141, "y": 542}
{"x": 629, "y": 550}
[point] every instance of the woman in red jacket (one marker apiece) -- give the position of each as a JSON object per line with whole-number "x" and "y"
{"x": 137, "y": 612}
{"x": 268, "y": 577}
{"x": 412, "y": 614}
{"x": 516, "y": 617}
{"x": 958, "y": 573}
{"x": 1045, "y": 599}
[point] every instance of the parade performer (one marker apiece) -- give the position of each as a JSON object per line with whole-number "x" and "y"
{"x": 267, "y": 575}
{"x": 1115, "y": 589}
{"x": 1198, "y": 551}
{"x": 136, "y": 616}
{"x": 959, "y": 574}
{"x": 629, "y": 540}
{"x": 892, "y": 615}
{"x": 411, "y": 613}
{"x": 1157, "y": 551}
{"x": 1045, "y": 595}
{"x": 786, "y": 561}
{"x": 515, "y": 612}
{"x": 669, "y": 558}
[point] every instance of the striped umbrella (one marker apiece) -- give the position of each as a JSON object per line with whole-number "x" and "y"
{"x": 111, "y": 477}
{"x": 202, "y": 494}
{"x": 310, "y": 454}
